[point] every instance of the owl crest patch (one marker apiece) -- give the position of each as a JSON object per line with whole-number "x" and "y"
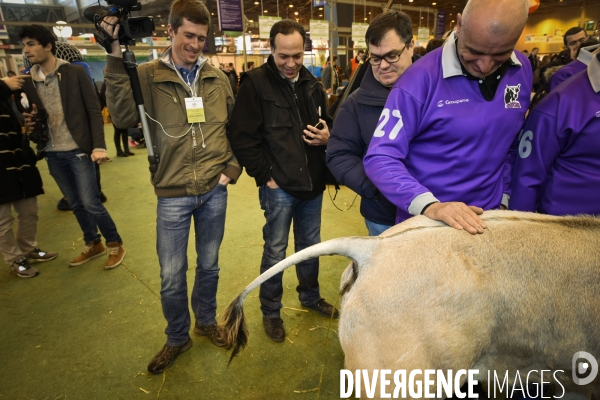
{"x": 511, "y": 96}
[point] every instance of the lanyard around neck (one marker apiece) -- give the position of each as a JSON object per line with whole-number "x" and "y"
{"x": 192, "y": 87}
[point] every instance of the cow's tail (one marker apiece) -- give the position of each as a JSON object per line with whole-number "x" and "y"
{"x": 233, "y": 324}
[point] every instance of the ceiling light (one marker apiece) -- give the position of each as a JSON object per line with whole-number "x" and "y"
{"x": 433, "y": 4}
{"x": 452, "y": 21}
{"x": 320, "y": 15}
{"x": 365, "y": 19}
{"x": 291, "y": 5}
{"x": 320, "y": 8}
{"x": 163, "y": 25}
{"x": 266, "y": 11}
{"x": 250, "y": 20}
{"x": 296, "y": 13}
{"x": 158, "y": 16}
{"x": 369, "y": 12}
{"x": 256, "y": 2}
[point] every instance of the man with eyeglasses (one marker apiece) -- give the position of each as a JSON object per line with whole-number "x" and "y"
{"x": 443, "y": 146}
{"x": 391, "y": 44}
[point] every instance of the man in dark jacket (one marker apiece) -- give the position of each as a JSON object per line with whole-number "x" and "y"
{"x": 20, "y": 185}
{"x": 275, "y": 134}
{"x": 391, "y": 45}
{"x": 76, "y": 139}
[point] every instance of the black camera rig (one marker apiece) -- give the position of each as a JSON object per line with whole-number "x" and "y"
{"x": 131, "y": 27}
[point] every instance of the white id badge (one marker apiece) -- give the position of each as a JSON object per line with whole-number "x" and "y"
{"x": 194, "y": 109}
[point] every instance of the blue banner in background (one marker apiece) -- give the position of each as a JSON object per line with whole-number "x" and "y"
{"x": 441, "y": 24}
{"x": 318, "y": 3}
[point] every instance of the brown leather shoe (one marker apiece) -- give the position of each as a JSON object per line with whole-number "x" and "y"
{"x": 90, "y": 251}
{"x": 212, "y": 331}
{"x": 116, "y": 254}
{"x": 274, "y": 329}
{"x": 167, "y": 356}
{"x": 324, "y": 308}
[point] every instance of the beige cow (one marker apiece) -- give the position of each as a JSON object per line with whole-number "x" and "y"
{"x": 524, "y": 295}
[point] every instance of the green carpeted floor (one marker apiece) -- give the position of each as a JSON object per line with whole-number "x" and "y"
{"x": 87, "y": 333}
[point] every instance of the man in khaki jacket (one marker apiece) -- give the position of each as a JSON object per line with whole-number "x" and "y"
{"x": 196, "y": 164}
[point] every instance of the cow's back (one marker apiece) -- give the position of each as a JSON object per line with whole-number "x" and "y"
{"x": 524, "y": 294}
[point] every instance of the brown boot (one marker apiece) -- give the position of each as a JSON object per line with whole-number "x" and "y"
{"x": 90, "y": 251}
{"x": 116, "y": 254}
{"x": 212, "y": 331}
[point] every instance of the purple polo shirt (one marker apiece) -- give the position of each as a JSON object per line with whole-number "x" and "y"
{"x": 572, "y": 68}
{"x": 558, "y": 168}
{"x": 439, "y": 139}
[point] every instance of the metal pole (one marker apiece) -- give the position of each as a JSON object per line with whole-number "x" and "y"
{"x": 244, "y": 37}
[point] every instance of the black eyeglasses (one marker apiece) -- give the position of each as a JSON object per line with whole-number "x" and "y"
{"x": 391, "y": 58}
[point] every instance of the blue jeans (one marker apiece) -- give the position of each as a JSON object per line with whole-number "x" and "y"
{"x": 75, "y": 175}
{"x": 174, "y": 216}
{"x": 376, "y": 229}
{"x": 281, "y": 209}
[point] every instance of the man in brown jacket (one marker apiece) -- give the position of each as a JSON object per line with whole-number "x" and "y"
{"x": 196, "y": 165}
{"x": 75, "y": 140}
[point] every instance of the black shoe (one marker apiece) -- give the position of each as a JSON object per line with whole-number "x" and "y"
{"x": 167, "y": 356}
{"x": 121, "y": 154}
{"x": 129, "y": 153}
{"x": 274, "y": 329}
{"x": 324, "y": 308}
{"x": 63, "y": 205}
{"x": 212, "y": 331}
{"x": 103, "y": 197}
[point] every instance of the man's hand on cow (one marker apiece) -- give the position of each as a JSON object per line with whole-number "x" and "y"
{"x": 316, "y": 137}
{"x": 111, "y": 26}
{"x": 458, "y": 216}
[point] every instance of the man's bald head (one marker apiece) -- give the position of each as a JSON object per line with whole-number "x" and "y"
{"x": 500, "y": 17}
{"x": 487, "y": 33}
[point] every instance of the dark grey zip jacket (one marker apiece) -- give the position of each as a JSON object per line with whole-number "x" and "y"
{"x": 267, "y": 127}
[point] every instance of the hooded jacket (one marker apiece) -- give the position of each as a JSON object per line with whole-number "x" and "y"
{"x": 352, "y": 132}
{"x": 191, "y": 158}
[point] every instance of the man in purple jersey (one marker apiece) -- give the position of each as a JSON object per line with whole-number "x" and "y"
{"x": 584, "y": 56}
{"x": 443, "y": 146}
{"x": 558, "y": 169}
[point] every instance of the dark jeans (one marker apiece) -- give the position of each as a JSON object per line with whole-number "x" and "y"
{"x": 75, "y": 175}
{"x": 174, "y": 217}
{"x": 281, "y": 209}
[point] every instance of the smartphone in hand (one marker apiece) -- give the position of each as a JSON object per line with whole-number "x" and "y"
{"x": 319, "y": 126}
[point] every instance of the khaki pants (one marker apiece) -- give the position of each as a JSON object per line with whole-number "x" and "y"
{"x": 27, "y": 220}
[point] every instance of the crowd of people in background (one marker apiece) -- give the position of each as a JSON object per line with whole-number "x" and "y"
{"x": 441, "y": 131}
